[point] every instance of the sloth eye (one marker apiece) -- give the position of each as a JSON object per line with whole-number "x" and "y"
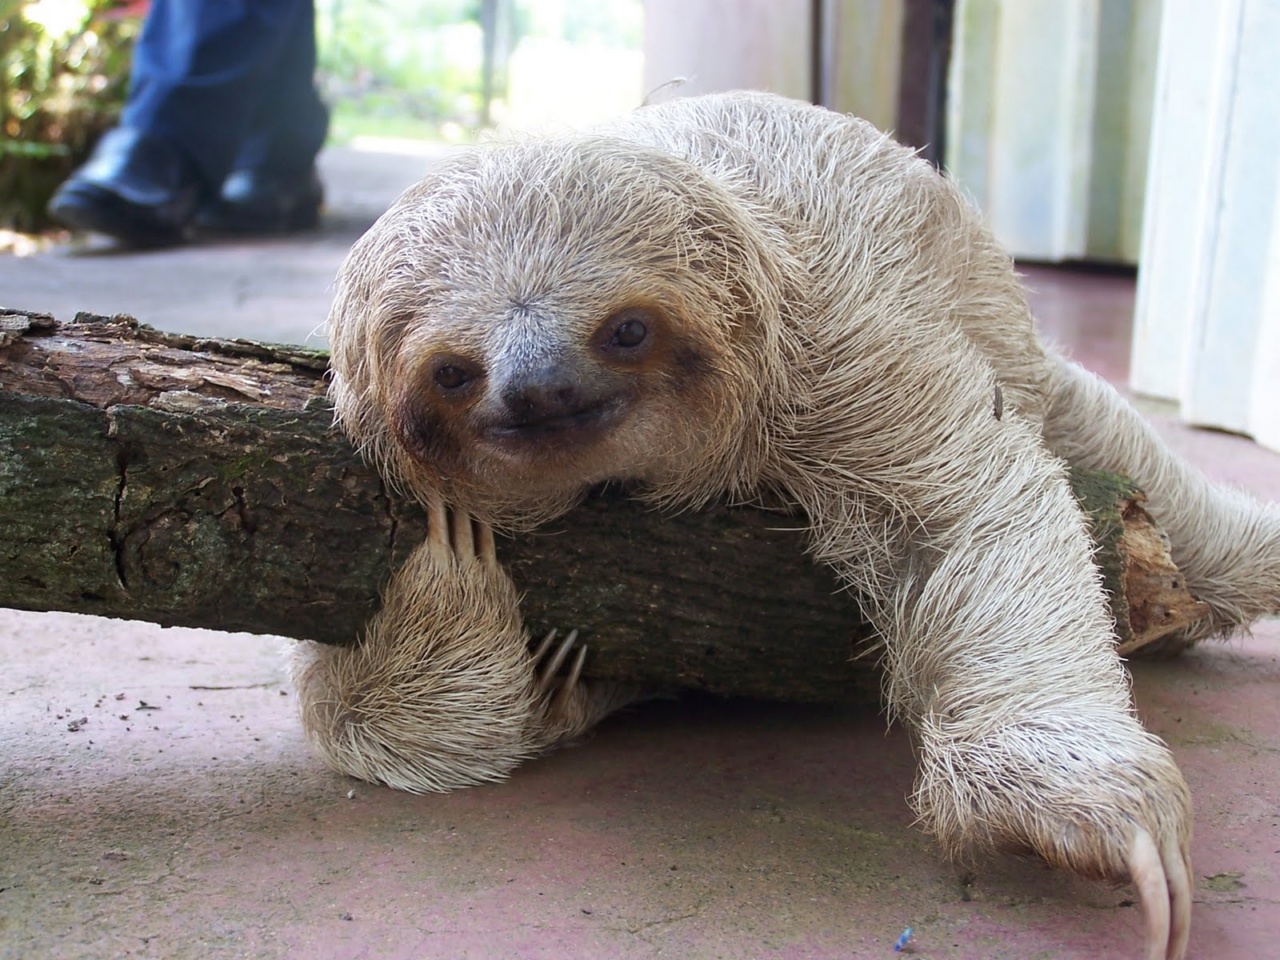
{"x": 450, "y": 377}
{"x": 630, "y": 334}
{"x": 629, "y": 328}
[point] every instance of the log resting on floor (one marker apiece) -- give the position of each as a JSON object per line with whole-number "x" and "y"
{"x": 200, "y": 482}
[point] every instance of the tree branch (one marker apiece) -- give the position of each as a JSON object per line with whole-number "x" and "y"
{"x": 199, "y": 482}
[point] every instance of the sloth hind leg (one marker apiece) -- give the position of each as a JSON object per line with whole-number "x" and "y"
{"x": 1225, "y": 542}
{"x": 444, "y": 691}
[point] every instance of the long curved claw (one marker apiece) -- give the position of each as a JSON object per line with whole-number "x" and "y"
{"x": 438, "y": 530}
{"x": 1147, "y": 871}
{"x": 544, "y": 645}
{"x": 1181, "y": 887}
{"x": 556, "y": 688}
{"x": 464, "y": 546}
{"x": 454, "y": 536}
{"x": 548, "y": 670}
{"x": 485, "y": 548}
{"x": 570, "y": 682}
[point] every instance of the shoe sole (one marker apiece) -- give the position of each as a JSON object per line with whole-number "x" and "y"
{"x": 300, "y": 217}
{"x": 101, "y": 211}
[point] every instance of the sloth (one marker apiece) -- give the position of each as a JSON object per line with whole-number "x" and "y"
{"x": 747, "y": 298}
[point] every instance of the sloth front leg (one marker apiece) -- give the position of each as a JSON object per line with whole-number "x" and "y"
{"x": 444, "y": 690}
{"x": 974, "y": 562}
{"x": 1000, "y": 653}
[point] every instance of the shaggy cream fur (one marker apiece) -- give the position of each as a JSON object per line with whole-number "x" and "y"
{"x": 741, "y": 296}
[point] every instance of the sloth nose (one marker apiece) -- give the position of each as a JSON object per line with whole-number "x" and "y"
{"x": 543, "y": 394}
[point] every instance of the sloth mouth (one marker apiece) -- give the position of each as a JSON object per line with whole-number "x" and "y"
{"x": 580, "y": 426}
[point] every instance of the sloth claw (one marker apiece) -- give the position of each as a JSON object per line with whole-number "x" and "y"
{"x": 1162, "y": 877}
{"x": 562, "y": 691}
{"x": 454, "y": 535}
{"x": 549, "y": 660}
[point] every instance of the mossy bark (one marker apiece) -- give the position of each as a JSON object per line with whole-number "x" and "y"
{"x": 200, "y": 482}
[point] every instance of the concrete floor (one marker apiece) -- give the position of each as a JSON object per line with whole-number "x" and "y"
{"x": 157, "y": 798}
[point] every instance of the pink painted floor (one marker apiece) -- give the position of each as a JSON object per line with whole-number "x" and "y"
{"x": 157, "y": 799}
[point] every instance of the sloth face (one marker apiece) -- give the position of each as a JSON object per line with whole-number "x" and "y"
{"x": 549, "y": 402}
{"x": 533, "y": 320}
{"x": 551, "y": 395}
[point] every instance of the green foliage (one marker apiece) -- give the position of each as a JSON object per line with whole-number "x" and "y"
{"x": 402, "y": 59}
{"x": 61, "y": 85}
{"x": 417, "y": 65}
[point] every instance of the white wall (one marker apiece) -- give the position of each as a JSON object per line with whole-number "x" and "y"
{"x": 1207, "y": 328}
{"x": 1048, "y": 121}
{"x": 728, "y": 45}
{"x": 769, "y": 45}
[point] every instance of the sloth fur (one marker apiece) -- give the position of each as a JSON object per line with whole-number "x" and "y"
{"x": 742, "y": 297}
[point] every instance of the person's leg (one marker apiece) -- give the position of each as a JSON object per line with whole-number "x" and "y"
{"x": 200, "y": 71}
{"x": 273, "y": 184}
{"x": 226, "y": 72}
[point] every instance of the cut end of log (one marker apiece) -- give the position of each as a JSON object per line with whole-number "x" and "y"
{"x": 1160, "y": 606}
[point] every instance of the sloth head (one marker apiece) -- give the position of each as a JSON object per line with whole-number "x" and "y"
{"x": 536, "y": 318}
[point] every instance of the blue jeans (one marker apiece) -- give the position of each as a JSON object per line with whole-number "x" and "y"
{"x": 230, "y": 83}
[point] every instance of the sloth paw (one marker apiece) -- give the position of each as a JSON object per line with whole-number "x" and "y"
{"x": 460, "y": 550}
{"x": 571, "y": 705}
{"x": 1153, "y": 857}
{"x": 1110, "y": 805}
